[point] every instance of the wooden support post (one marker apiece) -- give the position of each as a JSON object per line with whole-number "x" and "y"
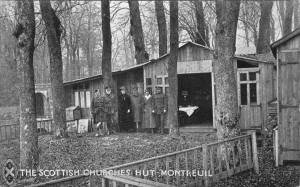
{"x": 205, "y": 160}
{"x": 254, "y": 150}
{"x": 105, "y": 182}
{"x": 276, "y": 147}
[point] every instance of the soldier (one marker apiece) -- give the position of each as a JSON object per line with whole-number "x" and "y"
{"x": 95, "y": 107}
{"x": 97, "y": 112}
{"x": 124, "y": 110}
{"x": 137, "y": 108}
{"x": 159, "y": 104}
{"x": 109, "y": 102}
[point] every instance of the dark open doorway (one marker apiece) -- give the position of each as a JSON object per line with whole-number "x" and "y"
{"x": 195, "y": 100}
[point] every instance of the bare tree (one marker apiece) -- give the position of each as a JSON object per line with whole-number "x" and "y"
{"x": 200, "y": 36}
{"x": 53, "y": 31}
{"x": 227, "y": 111}
{"x": 25, "y": 34}
{"x": 136, "y": 30}
{"x": 287, "y": 24}
{"x": 263, "y": 44}
{"x": 162, "y": 27}
{"x": 172, "y": 69}
{"x": 106, "y": 55}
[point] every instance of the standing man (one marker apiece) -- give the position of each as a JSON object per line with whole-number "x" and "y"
{"x": 124, "y": 110}
{"x": 137, "y": 108}
{"x": 159, "y": 104}
{"x": 110, "y": 108}
{"x": 95, "y": 107}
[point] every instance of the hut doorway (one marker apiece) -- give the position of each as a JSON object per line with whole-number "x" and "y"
{"x": 39, "y": 106}
{"x": 195, "y": 100}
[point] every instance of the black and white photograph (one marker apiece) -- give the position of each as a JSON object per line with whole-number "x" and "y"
{"x": 150, "y": 93}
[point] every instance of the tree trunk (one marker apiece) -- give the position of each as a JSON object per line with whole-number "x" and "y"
{"x": 263, "y": 44}
{"x": 296, "y": 15}
{"x": 136, "y": 30}
{"x": 245, "y": 22}
{"x": 53, "y": 31}
{"x": 287, "y": 24}
{"x": 162, "y": 27}
{"x": 272, "y": 29}
{"x": 282, "y": 14}
{"x": 106, "y": 55}
{"x": 200, "y": 32}
{"x": 172, "y": 70}
{"x": 227, "y": 111}
{"x": 25, "y": 33}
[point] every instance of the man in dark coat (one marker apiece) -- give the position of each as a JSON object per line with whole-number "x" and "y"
{"x": 137, "y": 108}
{"x": 159, "y": 104}
{"x": 95, "y": 107}
{"x": 109, "y": 102}
{"x": 124, "y": 110}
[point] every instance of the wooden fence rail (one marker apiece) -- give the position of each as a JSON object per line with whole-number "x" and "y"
{"x": 198, "y": 166}
{"x": 12, "y": 131}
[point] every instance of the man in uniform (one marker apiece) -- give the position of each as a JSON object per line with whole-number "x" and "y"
{"x": 137, "y": 108}
{"x": 159, "y": 104}
{"x": 109, "y": 102}
{"x": 124, "y": 110}
{"x": 95, "y": 107}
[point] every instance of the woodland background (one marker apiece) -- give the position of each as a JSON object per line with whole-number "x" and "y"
{"x": 82, "y": 35}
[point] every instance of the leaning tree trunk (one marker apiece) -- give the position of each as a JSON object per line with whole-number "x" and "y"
{"x": 106, "y": 32}
{"x": 201, "y": 25}
{"x": 136, "y": 30}
{"x": 263, "y": 44}
{"x": 296, "y": 14}
{"x": 25, "y": 33}
{"x": 227, "y": 111}
{"x": 53, "y": 31}
{"x": 172, "y": 69}
{"x": 162, "y": 27}
{"x": 287, "y": 24}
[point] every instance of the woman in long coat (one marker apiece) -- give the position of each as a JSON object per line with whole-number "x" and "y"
{"x": 137, "y": 108}
{"x": 147, "y": 117}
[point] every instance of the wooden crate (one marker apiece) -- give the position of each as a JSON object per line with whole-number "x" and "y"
{"x": 73, "y": 113}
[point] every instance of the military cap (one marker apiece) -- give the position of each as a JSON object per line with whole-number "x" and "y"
{"x": 158, "y": 87}
{"x": 122, "y": 88}
{"x": 106, "y": 87}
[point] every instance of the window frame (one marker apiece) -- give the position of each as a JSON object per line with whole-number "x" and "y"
{"x": 163, "y": 85}
{"x": 248, "y": 82}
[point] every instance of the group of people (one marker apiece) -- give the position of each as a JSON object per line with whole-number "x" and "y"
{"x": 135, "y": 111}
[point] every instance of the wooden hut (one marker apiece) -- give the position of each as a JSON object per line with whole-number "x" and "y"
{"x": 196, "y": 90}
{"x": 287, "y": 144}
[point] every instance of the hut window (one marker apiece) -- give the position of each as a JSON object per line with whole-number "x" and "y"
{"x": 166, "y": 80}
{"x": 253, "y": 93}
{"x": 243, "y": 77}
{"x": 76, "y": 98}
{"x": 244, "y": 94}
{"x": 252, "y": 76}
{"x": 82, "y": 96}
{"x": 248, "y": 86}
{"x": 148, "y": 81}
{"x": 163, "y": 81}
{"x": 159, "y": 81}
{"x": 88, "y": 99}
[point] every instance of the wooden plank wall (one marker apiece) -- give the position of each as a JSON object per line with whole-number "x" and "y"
{"x": 288, "y": 95}
{"x": 266, "y": 89}
{"x": 289, "y": 100}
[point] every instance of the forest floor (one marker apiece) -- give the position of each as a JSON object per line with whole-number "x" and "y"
{"x": 90, "y": 152}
